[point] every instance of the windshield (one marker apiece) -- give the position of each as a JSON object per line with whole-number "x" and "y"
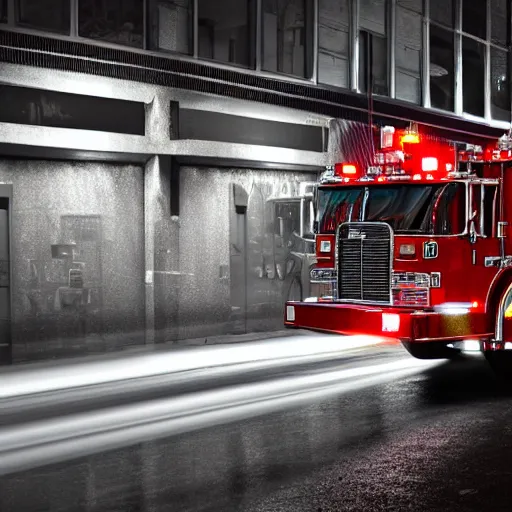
{"x": 438, "y": 209}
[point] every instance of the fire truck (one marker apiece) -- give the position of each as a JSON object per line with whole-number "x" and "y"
{"x": 415, "y": 246}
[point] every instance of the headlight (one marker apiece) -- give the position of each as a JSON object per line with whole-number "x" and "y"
{"x": 407, "y": 250}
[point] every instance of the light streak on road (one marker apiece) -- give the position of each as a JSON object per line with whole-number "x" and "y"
{"x": 64, "y": 438}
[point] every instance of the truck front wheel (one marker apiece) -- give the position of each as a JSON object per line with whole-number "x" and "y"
{"x": 433, "y": 350}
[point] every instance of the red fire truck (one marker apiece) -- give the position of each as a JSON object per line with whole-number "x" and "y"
{"x": 415, "y": 247}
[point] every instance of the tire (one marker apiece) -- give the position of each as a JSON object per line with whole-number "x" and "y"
{"x": 501, "y": 363}
{"x": 433, "y": 350}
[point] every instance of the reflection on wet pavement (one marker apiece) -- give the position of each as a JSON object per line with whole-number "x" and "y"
{"x": 436, "y": 440}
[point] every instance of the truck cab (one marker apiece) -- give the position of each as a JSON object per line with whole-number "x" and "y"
{"x": 414, "y": 246}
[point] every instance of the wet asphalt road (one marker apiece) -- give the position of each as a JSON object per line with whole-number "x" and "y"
{"x": 438, "y": 440}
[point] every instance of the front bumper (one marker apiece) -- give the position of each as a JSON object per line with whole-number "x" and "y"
{"x": 405, "y": 324}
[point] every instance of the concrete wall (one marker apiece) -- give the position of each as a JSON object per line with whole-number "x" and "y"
{"x": 100, "y": 208}
{"x": 228, "y": 283}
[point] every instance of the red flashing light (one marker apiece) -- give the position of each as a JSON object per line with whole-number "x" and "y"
{"x": 429, "y": 164}
{"x": 346, "y": 170}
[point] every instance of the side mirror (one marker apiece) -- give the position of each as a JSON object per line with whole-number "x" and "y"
{"x": 501, "y": 231}
{"x": 311, "y": 217}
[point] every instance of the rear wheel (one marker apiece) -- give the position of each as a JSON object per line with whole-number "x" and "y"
{"x": 432, "y": 350}
{"x": 500, "y": 362}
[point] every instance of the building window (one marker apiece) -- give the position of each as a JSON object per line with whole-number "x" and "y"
{"x": 408, "y": 46}
{"x": 474, "y": 18}
{"x": 226, "y": 31}
{"x": 3, "y": 11}
{"x": 442, "y": 64}
{"x": 500, "y": 26}
{"x": 170, "y": 25}
{"x": 372, "y": 16}
{"x": 373, "y": 47}
{"x": 443, "y": 12}
{"x": 473, "y": 77}
{"x": 115, "y": 21}
{"x": 50, "y": 15}
{"x": 412, "y": 5}
{"x": 287, "y": 37}
{"x": 333, "y": 42}
{"x": 373, "y": 63}
{"x": 500, "y": 85}
{"x": 500, "y": 66}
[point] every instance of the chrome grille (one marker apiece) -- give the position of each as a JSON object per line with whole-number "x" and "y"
{"x": 364, "y": 262}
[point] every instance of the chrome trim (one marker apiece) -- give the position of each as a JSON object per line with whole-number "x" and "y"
{"x": 458, "y": 92}
{"x": 301, "y": 217}
{"x": 74, "y": 23}
{"x": 195, "y": 31}
{"x": 501, "y": 314}
{"x": 469, "y": 203}
{"x": 259, "y": 34}
{"x": 354, "y": 51}
{"x": 391, "y": 254}
{"x": 425, "y": 78}
{"x": 314, "y": 74}
{"x": 482, "y": 210}
{"x": 494, "y": 212}
{"x": 492, "y": 261}
{"x": 391, "y": 16}
{"x": 487, "y": 63}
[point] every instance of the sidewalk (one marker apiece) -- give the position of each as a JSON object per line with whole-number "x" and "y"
{"x": 58, "y": 356}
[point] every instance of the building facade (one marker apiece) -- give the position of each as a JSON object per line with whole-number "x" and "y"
{"x": 155, "y": 155}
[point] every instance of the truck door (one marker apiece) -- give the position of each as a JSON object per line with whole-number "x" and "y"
{"x": 485, "y": 245}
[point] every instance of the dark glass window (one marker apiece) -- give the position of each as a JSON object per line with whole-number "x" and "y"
{"x": 441, "y": 68}
{"x": 115, "y": 21}
{"x": 500, "y": 85}
{"x": 3, "y": 11}
{"x": 408, "y": 55}
{"x": 432, "y": 209}
{"x": 226, "y": 31}
{"x": 333, "y": 42}
{"x": 474, "y": 17}
{"x": 51, "y": 15}
{"x": 373, "y": 47}
{"x": 443, "y": 12}
{"x": 373, "y": 63}
{"x": 287, "y": 37}
{"x": 170, "y": 25}
{"x": 490, "y": 206}
{"x": 473, "y": 76}
{"x": 500, "y": 22}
